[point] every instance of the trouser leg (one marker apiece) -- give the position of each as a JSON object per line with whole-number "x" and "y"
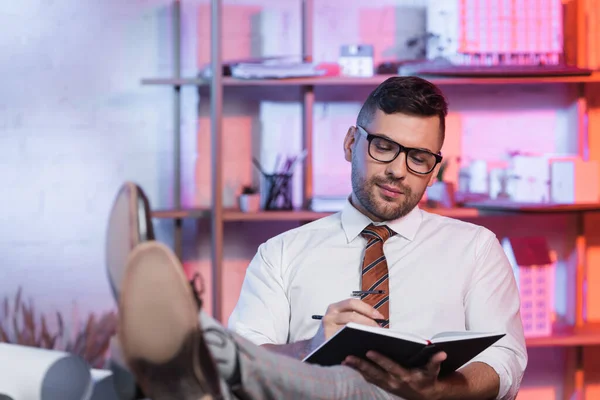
{"x": 267, "y": 375}
{"x": 263, "y": 374}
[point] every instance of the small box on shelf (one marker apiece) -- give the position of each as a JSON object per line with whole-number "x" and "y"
{"x": 574, "y": 181}
{"x": 534, "y": 266}
{"x": 356, "y": 60}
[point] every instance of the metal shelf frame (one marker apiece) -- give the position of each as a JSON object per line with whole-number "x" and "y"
{"x": 574, "y": 339}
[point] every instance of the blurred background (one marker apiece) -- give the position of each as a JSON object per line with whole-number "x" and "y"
{"x": 97, "y": 93}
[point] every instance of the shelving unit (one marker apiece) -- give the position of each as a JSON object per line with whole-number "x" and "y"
{"x": 373, "y": 81}
{"x": 568, "y": 337}
{"x": 295, "y": 215}
{"x": 574, "y": 338}
{"x": 216, "y": 84}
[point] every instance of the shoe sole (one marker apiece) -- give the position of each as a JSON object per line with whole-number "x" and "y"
{"x": 159, "y": 329}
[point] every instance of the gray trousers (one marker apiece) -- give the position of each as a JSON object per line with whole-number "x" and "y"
{"x": 266, "y": 375}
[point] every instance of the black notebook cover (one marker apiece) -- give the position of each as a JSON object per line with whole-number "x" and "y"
{"x": 409, "y": 352}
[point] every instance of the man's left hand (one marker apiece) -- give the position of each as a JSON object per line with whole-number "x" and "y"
{"x": 411, "y": 384}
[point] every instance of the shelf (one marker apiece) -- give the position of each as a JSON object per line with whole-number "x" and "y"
{"x": 181, "y": 214}
{"x": 302, "y": 215}
{"x": 568, "y": 337}
{"x": 457, "y": 212}
{"x": 295, "y": 215}
{"x": 468, "y": 210}
{"x": 371, "y": 81}
{"x": 539, "y": 208}
{"x": 175, "y": 82}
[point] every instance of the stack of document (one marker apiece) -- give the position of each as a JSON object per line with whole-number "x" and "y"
{"x": 275, "y": 70}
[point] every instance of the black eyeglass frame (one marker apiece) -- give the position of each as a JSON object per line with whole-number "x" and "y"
{"x": 401, "y": 149}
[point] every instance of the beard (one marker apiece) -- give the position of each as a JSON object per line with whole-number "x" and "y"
{"x": 381, "y": 207}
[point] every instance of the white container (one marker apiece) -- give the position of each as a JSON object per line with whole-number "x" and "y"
{"x": 478, "y": 177}
{"x": 573, "y": 180}
{"x": 529, "y": 179}
{"x": 356, "y": 60}
{"x": 249, "y": 202}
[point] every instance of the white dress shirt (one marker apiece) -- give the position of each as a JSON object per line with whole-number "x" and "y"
{"x": 444, "y": 275}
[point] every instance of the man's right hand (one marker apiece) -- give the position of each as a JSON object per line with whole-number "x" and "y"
{"x": 339, "y": 314}
{"x": 336, "y": 316}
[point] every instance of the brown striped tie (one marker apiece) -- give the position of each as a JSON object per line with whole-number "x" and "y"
{"x": 375, "y": 269}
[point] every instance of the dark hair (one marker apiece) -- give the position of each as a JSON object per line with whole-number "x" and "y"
{"x": 405, "y": 94}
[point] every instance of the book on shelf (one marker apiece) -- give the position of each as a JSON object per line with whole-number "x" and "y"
{"x": 275, "y": 69}
{"x": 408, "y": 350}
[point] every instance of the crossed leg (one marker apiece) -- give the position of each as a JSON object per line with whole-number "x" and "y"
{"x": 175, "y": 350}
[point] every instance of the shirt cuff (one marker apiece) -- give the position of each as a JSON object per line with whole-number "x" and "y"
{"x": 493, "y": 357}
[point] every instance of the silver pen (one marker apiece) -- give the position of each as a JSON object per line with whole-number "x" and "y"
{"x": 379, "y": 321}
{"x": 361, "y": 292}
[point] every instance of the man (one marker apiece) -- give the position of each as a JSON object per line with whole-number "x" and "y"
{"x": 176, "y": 351}
{"x": 434, "y": 273}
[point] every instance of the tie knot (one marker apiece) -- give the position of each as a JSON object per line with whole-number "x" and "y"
{"x": 381, "y": 232}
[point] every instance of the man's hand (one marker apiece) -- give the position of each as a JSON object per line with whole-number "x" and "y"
{"x": 339, "y": 314}
{"x": 413, "y": 384}
{"x": 349, "y": 310}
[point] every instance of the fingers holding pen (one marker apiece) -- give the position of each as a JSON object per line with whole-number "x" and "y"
{"x": 349, "y": 310}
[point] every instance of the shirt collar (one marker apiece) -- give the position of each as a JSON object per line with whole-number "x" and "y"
{"x": 353, "y": 222}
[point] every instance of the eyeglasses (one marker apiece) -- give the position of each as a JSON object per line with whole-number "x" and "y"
{"x": 385, "y": 150}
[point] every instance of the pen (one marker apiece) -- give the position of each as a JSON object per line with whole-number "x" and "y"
{"x": 296, "y": 159}
{"x": 361, "y": 292}
{"x": 257, "y": 165}
{"x": 379, "y": 321}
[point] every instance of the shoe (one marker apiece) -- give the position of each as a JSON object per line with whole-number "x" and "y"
{"x": 159, "y": 328}
{"x": 129, "y": 223}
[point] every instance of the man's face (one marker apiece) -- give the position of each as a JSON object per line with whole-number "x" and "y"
{"x": 387, "y": 191}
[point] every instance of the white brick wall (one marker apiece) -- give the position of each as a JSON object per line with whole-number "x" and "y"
{"x": 74, "y": 123}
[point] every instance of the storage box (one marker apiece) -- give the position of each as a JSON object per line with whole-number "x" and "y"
{"x": 573, "y": 180}
{"x": 536, "y": 287}
{"x": 528, "y": 179}
{"x": 356, "y": 60}
{"x": 534, "y": 266}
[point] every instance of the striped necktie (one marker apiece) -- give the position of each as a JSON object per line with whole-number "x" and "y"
{"x": 375, "y": 269}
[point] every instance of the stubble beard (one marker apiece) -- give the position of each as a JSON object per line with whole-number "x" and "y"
{"x": 365, "y": 192}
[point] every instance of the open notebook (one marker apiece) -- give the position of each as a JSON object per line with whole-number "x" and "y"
{"x": 406, "y": 349}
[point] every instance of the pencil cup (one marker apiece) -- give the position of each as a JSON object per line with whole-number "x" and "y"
{"x": 276, "y": 192}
